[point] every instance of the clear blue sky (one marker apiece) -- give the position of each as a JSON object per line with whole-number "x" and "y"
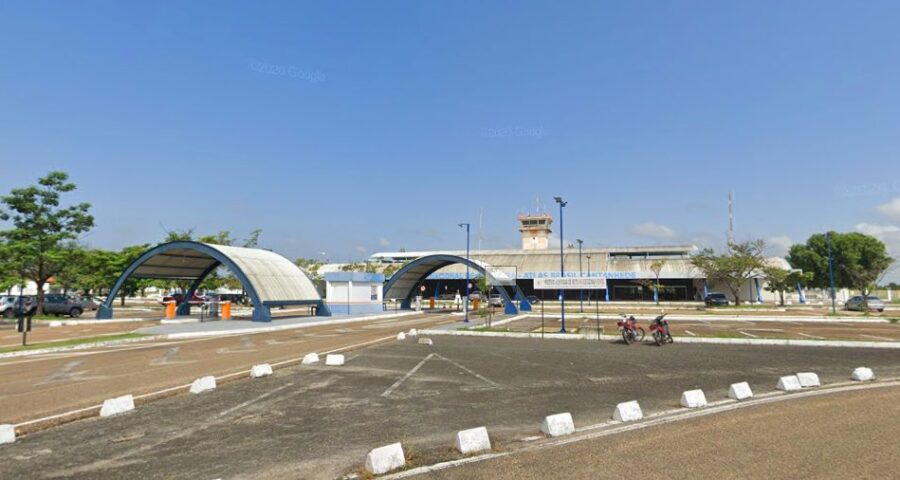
{"x": 352, "y": 127}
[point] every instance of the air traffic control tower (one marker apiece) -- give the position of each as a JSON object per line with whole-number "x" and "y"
{"x": 535, "y": 230}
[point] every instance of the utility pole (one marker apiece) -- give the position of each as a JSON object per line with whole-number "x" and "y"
{"x": 580, "y": 274}
{"x": 562, "y": 268}
{"x": 467, "y": 270}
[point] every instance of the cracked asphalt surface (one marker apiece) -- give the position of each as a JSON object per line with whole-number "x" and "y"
{"x": 319, "y": 422}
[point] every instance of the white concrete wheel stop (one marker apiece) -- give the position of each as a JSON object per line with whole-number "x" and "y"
{"x": 788, "y": 383}
{"x": 693, "y": 399}
{"x": 261, "y": 370}
{"x": 473, "y": 440}
{"x": 310, "y": 358}
{"x": 809, "y": 380}
{"x": 334, "y": 360}
{"x": 117, "y": 405}
{"x": 558, "y": 424}
{"x": 7, "y": 433}
{"x": 740, "y": 391}
{"x": 384, "y": 459}
{"x": 862, "y": 374}
{"x": 628, "y": 412}
{"x": 203, "y": 384}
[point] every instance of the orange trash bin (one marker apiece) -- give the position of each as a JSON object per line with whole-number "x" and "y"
{"x": 475, "y": 304}
{"x": 226, "y": 310}
{"x": 431, "y": 303}
{"x": 170, "y": 309}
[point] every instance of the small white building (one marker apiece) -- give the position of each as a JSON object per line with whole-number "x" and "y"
{"x": 350, "y": 293}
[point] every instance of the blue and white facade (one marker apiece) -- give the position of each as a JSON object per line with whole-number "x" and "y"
{"x": 353, "y": 293}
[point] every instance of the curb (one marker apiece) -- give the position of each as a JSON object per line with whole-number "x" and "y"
{"x": 278, "y": 328}
{"x": 615, "y": 427}
{"x": 82, "y": 346}
{"x": 704, "y": 340}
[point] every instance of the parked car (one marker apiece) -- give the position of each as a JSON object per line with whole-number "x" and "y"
{"x": 89, "y": 303}
{"x": 61, "y": 304}
{"x": 496, "y": 300}
{"x": 8, "y": 305}
{"x": 179, "y": 297}
{"x": 533, "y": 299}
{"x": 715, "y": 299}
{"x": 447, "y": 296}
{"x": 858, "y": 303}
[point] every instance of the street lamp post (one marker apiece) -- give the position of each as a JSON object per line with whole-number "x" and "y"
{"x": 588, "y": 257}
{"x": 580, "y": 274}
{"x": 562, "y": 269}
{"x": 467, "y": 271}
{"x": 831, "y": 272}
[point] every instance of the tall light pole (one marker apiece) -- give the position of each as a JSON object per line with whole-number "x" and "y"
{"x": 588, "y": 257}
{"x": 580, "y": 274}
{"x": 562, "y": 268}
{"x": 467, "y": 270}
{"x": 830, "y": 271}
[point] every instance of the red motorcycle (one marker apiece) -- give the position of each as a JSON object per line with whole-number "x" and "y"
{"x": 631, "y": 332}
{"x": 659, "y": 328}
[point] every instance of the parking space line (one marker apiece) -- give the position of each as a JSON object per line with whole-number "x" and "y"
{"x": 748, "y": 334}
{"x": 468, "y": 371}
{"x": 410, "y": 373}
{"x": 254, "y": 400}
{"x": 690, "y": 333}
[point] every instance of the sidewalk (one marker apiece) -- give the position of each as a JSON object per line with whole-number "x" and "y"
{"x": 237, "y": 327}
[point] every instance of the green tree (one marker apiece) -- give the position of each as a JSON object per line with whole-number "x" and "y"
{"x": 779, "y": 280}
{"x": 40, "y": 228}
{"x": 8, "y": 272}
{"x": 742, "y": 262}
{"x": 656, "y": 267}
{"x": 859, "y": 261}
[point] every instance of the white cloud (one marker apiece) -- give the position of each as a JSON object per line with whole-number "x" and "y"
{"x": 877, "y": 231}
{"x": 890, "y": 235}
{"x": 653, "y": 230}
{"x": 778, "y": 245}
{"x": 383, "y": 242}
{"x": 891, "y": 209}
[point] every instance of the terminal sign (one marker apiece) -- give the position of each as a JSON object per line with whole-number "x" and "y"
{"x": 575, "y": 283}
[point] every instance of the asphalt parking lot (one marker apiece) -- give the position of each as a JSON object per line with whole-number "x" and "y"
{"x": 319, "y": 422}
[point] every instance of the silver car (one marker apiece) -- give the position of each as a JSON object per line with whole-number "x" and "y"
{"x": 858, "y": 303}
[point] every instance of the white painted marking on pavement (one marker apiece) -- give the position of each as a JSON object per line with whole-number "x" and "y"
{"x": 469, "y": 371}
{"x": 396, "y": 384}
{"x": 254, "y": 400}
{"x": 876, "y": 337}
{"x": 810, "y": 336}
{"x": 690, "y": 333}
{"x": 748, "y": 334}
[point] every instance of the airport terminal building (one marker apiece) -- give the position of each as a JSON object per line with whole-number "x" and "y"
{"x": 627, "y": 270}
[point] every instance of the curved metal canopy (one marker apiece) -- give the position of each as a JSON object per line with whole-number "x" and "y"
{"x": 269, "y": 279}
{"x": 403, "y": 283}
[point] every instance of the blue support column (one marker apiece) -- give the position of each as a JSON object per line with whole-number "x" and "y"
{"x": 655, "y": 294}
{"x": 524, "y": 304}
{"x": 800, "y": 293}
{"x": 758, "y": 290}
{"x": 705, "y": 289}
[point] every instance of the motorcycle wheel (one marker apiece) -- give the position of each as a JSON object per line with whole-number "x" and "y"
{"x": 670, "y": 339}
{"x": 639, "y": 334}
{"x": 627, "y": 336}
{"x": 658, "y": 339}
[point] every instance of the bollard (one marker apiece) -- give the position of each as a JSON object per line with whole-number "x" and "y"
{"x": 226, "y": 310}
{"x": 170, "y": 309}
{"x": 431, "y": 303}
{"x": 475, "y": 304}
